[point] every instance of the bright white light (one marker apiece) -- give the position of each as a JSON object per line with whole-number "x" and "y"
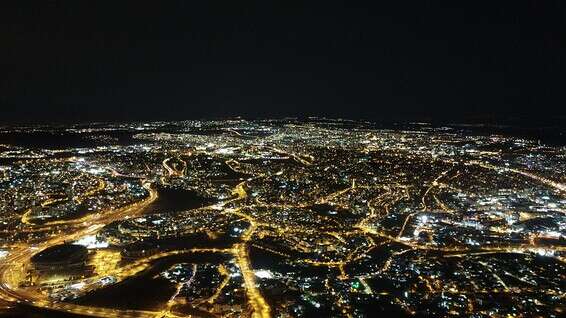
{"x": 90, "y": 242}
{"x": 95, "y": 171}
{"x": 544, "y": 252}
{"x": 225, "y": 151}
{"x": 263, "y": 274}
{"x": 80, "y": 285}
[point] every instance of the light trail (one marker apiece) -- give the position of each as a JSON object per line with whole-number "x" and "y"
{"x": 499, "y": 280}
{"x": 167, "y": 311}
{"x": 423, "y": 202}
{"x": 222, "y": 270}
{"x": 260, "y": 307}
{"x": 551, "y": 183}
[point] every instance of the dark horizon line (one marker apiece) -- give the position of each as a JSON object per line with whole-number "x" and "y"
{"x": 491, "y": 119}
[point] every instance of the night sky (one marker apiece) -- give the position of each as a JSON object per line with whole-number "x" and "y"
{"x": 152, "y": 60}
